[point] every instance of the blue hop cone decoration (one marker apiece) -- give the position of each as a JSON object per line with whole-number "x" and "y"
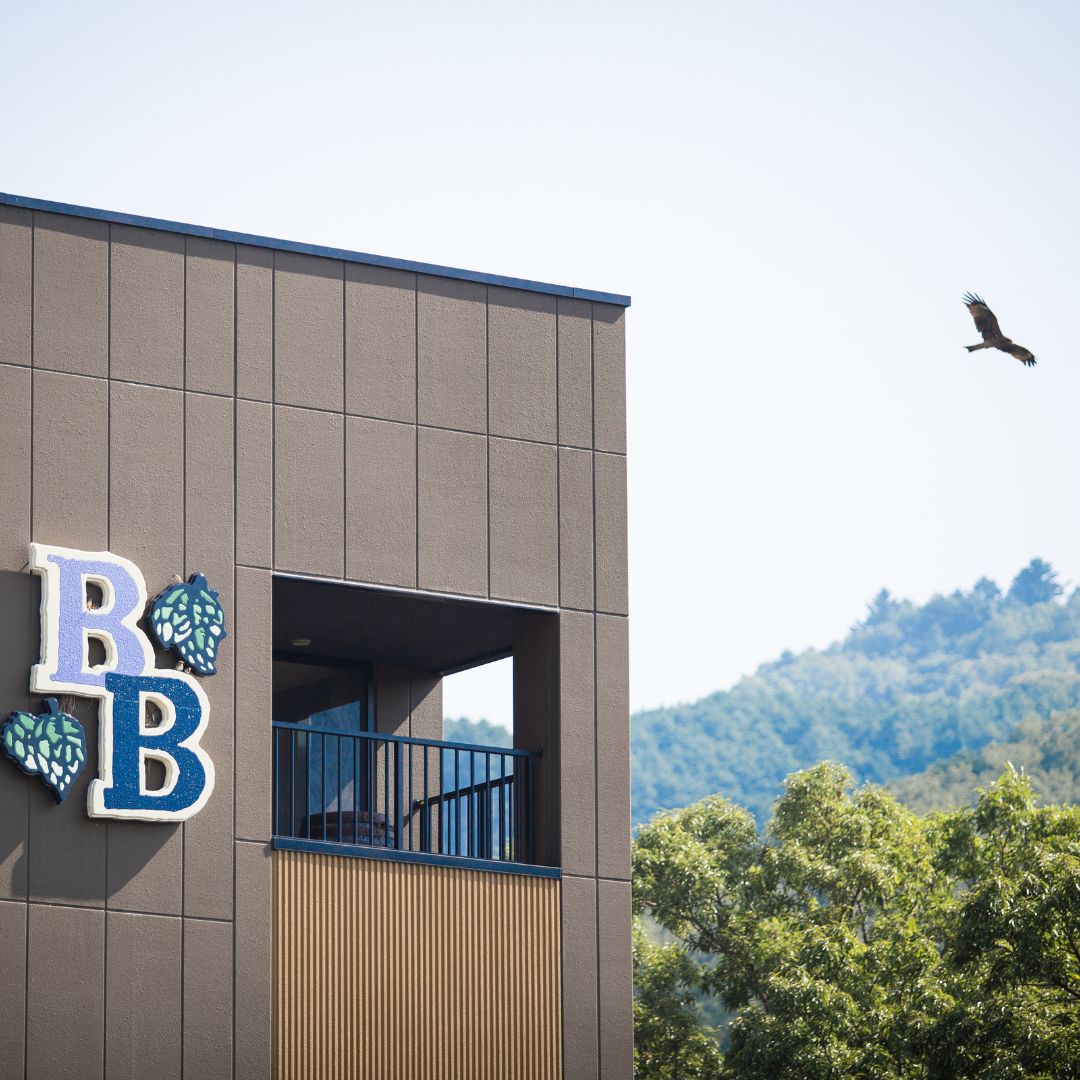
{"x": 52, "y": 746}
{"x": 189, "y": 619}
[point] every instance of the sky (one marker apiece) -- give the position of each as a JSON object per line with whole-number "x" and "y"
{"x": 795, "y": 195}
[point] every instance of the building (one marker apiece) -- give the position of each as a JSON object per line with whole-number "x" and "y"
{"x": 268, "y": 862}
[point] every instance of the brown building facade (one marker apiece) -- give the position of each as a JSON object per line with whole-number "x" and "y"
{"x": 388, "y": 472}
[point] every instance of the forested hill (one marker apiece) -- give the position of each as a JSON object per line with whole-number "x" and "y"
{"x": 1047, "y": 749}
{"x": 910, "y": 686}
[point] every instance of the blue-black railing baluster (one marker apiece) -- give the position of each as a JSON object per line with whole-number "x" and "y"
{"x": 386, "y": 793}
{"x": 530, "y": 839}
{"x": 399, "y": 825}
{"x": 275, "y": 737}
{"x": 502, "y": 812}
{"x": 425, "y": 821}
{"x": 487, "y": 824}
{"x": 292, "y": 782}
{"x": 372, "y": 760}
{"x": 309, "y": 746}
{"x": 340, "y": 834}
{"x": 470, "y": 817}
{"x": 486, "y": 814}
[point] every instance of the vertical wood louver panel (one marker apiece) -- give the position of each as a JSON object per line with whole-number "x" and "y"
{"x": 387, "y": 969}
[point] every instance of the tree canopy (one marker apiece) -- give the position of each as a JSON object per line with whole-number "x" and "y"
{"x": 854, "y": 938}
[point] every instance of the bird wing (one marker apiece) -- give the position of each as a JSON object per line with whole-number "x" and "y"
{"x": 985, "y": 320}
{"x": 1025, "y": 356}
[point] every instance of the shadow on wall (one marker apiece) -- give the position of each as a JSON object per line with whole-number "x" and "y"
{"x": 53, "y": 851}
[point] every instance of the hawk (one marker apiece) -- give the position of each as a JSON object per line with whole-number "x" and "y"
{"x": 992, "y": 337}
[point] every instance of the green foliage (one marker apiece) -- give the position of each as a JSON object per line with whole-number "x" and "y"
{"x": 857, "y": 939}
{"x": 669, "y": 1041}
{"x": 1048, "y": 750}
{"x": 909, "y": 686}
{"x": 1035, "y": 584}
{"x": 479, "y": 732}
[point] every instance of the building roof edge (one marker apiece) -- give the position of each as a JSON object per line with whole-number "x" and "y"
{"x": 231, "y": 237}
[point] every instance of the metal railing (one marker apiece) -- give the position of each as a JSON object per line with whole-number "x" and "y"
{"x": 365, "y": 790}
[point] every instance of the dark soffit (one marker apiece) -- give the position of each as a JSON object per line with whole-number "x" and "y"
{"x": 417, "y": 630}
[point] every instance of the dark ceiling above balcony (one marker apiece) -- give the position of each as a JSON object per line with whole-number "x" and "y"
{"x": 349, "y": 622}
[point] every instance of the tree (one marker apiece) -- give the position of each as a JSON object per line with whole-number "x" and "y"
{"x": 1014, "y": 938}
{"x": 1035, "y": 584}
{"x": 855, "y": 938}
{"x": 669, "y": 1040}
{"x": 986, "y": 591}
{"x": 922, "y": 684}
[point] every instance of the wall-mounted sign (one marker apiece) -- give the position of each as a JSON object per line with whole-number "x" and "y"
{"x": 125, "y": 683}
{"x": 51, "y": 746}
{"x": 188, "y": 619}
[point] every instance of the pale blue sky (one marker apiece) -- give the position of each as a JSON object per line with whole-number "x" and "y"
{"x": 796, "y": 195}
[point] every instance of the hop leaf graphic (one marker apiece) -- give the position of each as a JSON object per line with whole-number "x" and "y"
{"x": 52, "y": 746}
{"x": 189, "y": 618}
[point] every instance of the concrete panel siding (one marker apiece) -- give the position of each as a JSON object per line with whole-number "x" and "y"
{"x": 609, "y": 378}
{"x": 71, "y": 464}
{"x": 254, "y": 483}
{"x": 309, "y": 491}
{"x": 616, "y": 981}
{"x": 13, "y": 1000}
{"x": 581, "y": 1044}
{"x": 577, "y": 750}
{"x": 380, "y": 507}
{"x": 208, "y": 549}
{"x": 146, "y": 309}
{"x": 309, "y": 355}
{"x": 196, "y": 405}
{"x": 452, "y": 512}
{"x": 524, "y": 522}
{"x": 612, "y": 592}
{"x": 65, "y": 993}
{"x": 612, "y": 747}
{"x": 15, "y": 453}
{"x": 16, "y": 284}
{"x": 521, "y": 365}
{"x": 143, "y": 1006}
{"x": 255, "y": 323}
{"x": 575, "y": 373}
{"x": 576, "y": 512}
{"x": 380, "y": 343}
{"x": 208, "y": 999}
{"x": 253, "y": 1012}
{"x": 209, "y": 304}
{"x": 254, "y": 703}
{"x": 71, "y": 295}
{"x": 452, "y": 354}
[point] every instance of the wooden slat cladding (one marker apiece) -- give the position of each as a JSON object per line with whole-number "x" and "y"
{"x": 399, "y": 971}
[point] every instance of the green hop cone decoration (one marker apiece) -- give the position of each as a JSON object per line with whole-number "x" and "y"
{"x": 52, "y": 746}
{"x": 189, "y": 618}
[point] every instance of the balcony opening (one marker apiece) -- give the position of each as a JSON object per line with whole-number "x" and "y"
{"x": 478, "y": 704}
{"x": 364, "y": 762}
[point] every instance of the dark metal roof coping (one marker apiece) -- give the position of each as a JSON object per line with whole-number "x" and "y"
{"x": 228, "y": 236}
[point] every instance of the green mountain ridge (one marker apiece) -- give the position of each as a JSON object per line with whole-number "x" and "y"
{"x": 1047, "y": 750}
{"x": 911, "y": 688}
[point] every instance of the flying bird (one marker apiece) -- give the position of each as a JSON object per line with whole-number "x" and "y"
{"x": 992, "y": 337}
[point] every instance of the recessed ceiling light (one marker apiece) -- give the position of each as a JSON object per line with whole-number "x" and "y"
{"x": 300, "y": 642}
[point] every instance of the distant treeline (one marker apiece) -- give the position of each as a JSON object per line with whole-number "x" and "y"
{"x": 931, "y": 699}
